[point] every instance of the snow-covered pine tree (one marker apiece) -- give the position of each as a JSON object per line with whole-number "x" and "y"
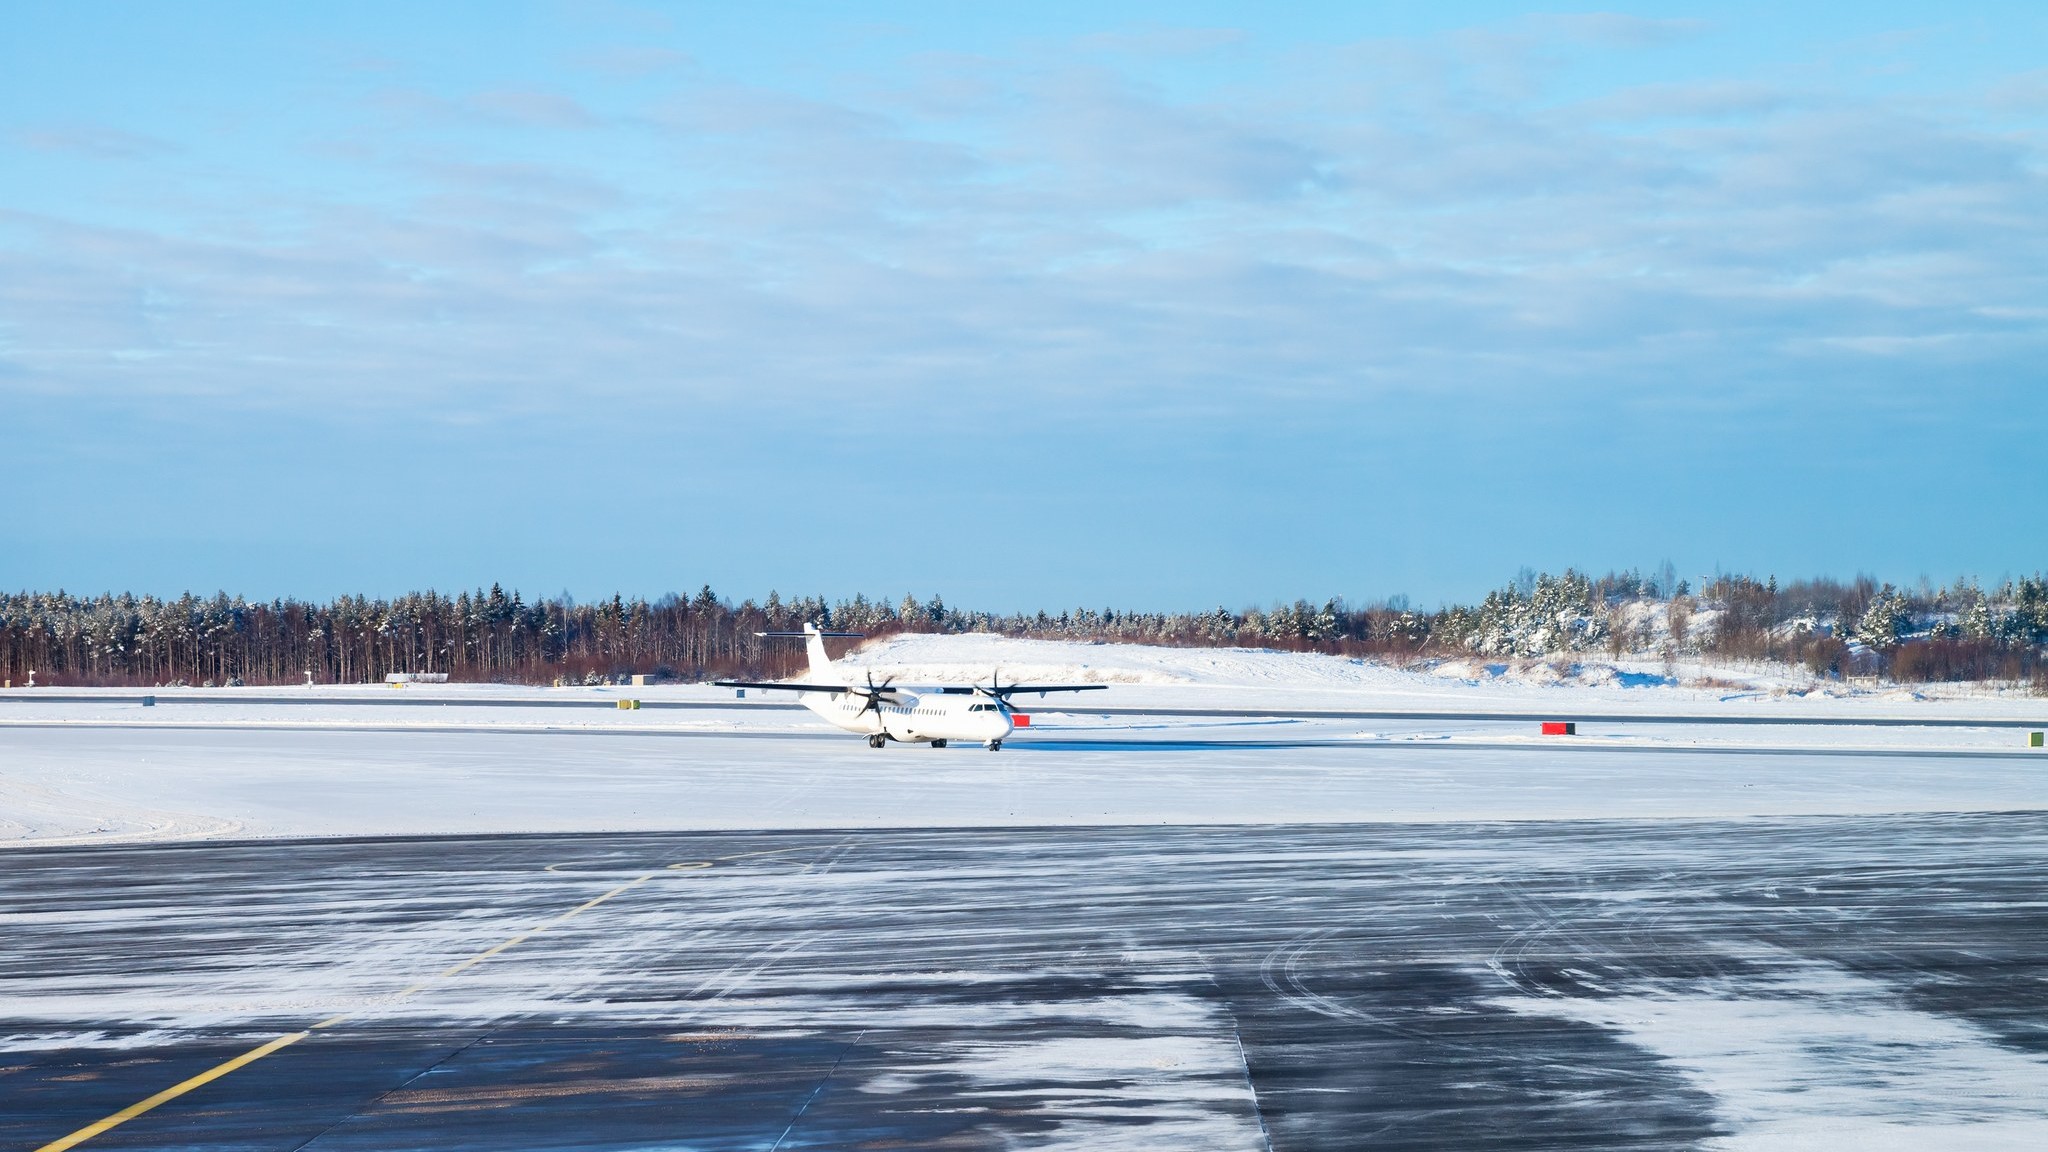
{"x": 1975, "y": 621}
{"x": 1884, "y": 621}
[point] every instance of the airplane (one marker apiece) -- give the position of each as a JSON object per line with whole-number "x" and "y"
{"x": 928, "y": 715}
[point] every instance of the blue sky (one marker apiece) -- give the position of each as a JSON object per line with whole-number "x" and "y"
{"x": 1137, "y": 304}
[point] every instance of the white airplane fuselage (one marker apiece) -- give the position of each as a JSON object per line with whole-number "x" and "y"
{"x": 912, "y": 717}
{"x": 882, "y": 712}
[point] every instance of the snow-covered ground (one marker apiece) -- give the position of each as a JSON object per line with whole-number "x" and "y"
{"x": 483, "y": 758}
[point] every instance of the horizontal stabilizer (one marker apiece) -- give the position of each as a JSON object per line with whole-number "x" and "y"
{"x": 787, "y": 686}
{"x": 1006, "y": 689}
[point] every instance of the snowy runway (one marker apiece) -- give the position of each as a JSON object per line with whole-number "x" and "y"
{"x": 83, "y": 784}
{"x": 1598, "y": 984}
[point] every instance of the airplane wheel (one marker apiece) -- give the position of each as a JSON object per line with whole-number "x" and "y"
{"x": 877, "y": 741}
{"x": 938, "y": 743}
{"x": 995, "y": 745}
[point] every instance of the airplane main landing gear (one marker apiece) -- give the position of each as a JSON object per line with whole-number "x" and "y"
{"x": 995, "y": 745}
{"x": 938, "y": 743}
{"x": 877, "y": 740}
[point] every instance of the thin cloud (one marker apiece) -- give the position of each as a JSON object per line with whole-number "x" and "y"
{"x": 1116, "y": 145}
{"x": 1616, "y": 29}
{"x": 1161, "y": 40}
{"x": 2025, "y": 92}
{"x": 531, "y": 108}
{"x": 97, "y": 141}
{"x": 634, "y": 60}
{"x": 1374, "y": 224}
{"x": 1708, "y": 100}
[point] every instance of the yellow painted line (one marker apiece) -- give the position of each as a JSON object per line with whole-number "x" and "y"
{"x": 479, "y": 958}
{"x": 572, "y": 867}
{"x": 259, "y": 1052}
{"x": 484, "y": 955}
{"x": 575, "y": 867}
{"x": 587, "y": 905}
{"x": 169, "y": 1094}
{"x": 537, "y": 929}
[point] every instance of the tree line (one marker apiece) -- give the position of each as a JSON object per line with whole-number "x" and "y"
{"x": 1834, "y": 628}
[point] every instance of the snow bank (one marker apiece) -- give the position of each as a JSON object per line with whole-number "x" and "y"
{"x": 1197, "y": 677}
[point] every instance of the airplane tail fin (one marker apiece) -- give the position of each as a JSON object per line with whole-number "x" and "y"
{"x": 814, "y": 647}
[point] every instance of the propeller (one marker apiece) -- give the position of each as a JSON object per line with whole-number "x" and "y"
{"x": 875, "y": 692}
{"x": 995, "y": 692}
